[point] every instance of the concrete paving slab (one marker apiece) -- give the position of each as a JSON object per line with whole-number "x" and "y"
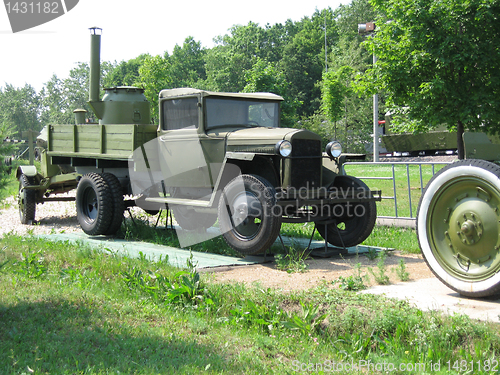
{"x": 432, "y": 294}
{"x": 176, "y": 257}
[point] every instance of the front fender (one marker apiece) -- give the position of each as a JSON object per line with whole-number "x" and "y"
{"x": 28, "y": 170}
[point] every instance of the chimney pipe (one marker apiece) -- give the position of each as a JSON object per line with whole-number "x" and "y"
{"x": 95, "y": 64}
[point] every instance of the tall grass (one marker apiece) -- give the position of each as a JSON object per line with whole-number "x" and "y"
{"x": 68, "y": 309}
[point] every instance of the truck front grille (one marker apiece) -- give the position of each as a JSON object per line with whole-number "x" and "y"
{"x": 306, "y": 163}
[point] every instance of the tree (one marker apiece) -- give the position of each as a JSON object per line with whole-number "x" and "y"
{"x": 153, "y": 77}
{"x": 264, "y": 77}
{"x": 126, "y": 73}
{"x": 187, "y": 65}
{"x": 19, "y": 108}
{"x": 441, "y": 60}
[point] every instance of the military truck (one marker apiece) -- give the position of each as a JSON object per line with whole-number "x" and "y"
{"x": 213, "y": 157}
{"x": 458, "y": 220}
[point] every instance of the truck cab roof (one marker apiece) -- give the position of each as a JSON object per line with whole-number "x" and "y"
{"x": 187, "y": 91}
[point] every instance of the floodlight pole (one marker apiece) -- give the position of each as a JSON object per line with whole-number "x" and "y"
{"x": 375, "y": 122}
{"x": 369, "y": 29}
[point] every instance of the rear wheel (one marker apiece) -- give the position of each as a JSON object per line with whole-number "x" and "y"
{"x": 458, "y": 227}
{"x": 94, "y": 204}
{"x": 246, "y": 217}
{"x": 117, "y": 199}
{"x": 352, "y": 222}
{"x": 26, "y": 200}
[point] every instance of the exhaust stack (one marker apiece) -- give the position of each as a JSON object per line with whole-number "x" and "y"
{"x": 95, "y": 71}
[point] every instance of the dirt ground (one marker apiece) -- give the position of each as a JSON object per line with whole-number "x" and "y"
{"x": 61, "y": 216}
{"x": 322, "y": 270}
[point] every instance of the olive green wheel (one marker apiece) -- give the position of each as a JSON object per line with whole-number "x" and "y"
{"x": 26, "y": 200}
{"x": 458, "y": 227}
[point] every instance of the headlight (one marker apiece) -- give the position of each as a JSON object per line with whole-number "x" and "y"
{"x": 284, "y": 148}
{"x": 333, "y": 149}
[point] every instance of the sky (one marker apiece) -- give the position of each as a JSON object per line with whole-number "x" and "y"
{"x": 130, "y": 28}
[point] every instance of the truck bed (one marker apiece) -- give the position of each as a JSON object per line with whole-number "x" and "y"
{"x": 112, "y": 142}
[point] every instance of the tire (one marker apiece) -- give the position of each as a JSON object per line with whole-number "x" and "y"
{"x": 117, "y": 199}
{"x": 458, "y": 227}
{"x": 189, "y": 219}
{"x": 246, "y": 217}
{"x": 94, "y": 204}
{"x": 354, "y": 222}
{"x": 26, "y": 200}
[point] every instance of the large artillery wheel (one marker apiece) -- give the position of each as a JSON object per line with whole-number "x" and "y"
{"x": 26, "y": 200}
{"x": 94, "y": 204}
{"x": 353, "y": 222}
{"x": 458, "y": 227}
{"x": 246, "y": 217}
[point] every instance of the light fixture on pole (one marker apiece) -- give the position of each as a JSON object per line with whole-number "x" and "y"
{"x": 369, "y": 29}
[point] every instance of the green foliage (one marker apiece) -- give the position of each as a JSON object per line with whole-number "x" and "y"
{"x": 126, "y": 73}
{"x": 401, "y": 271}
{"x": 336, "y": 87}
{"x": 183, "y": 288}
{"x": 153, "y": 77}
{"x": 380, "y": 274}
{"x": 353, "y": 282}
{"x": 81, "y": 317}
{"x": 308, "y": 322}
{"x": 438, "y": 59}
{"x": 31, "y": 265}
{"x": 19, "y": 110}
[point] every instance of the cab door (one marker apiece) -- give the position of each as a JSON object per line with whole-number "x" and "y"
{"x": 182, "y": 160}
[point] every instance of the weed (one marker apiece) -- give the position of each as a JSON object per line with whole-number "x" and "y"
{"x": 380, "y": 275}
{"x": 31, "y": 264}
{"x": 260, "y": 315}
{"x": 184, "y": 287}
{"x": 352, "y": 283}
{"x": 308, "y": 322}
{"x": 403, "y": 275}
{"x": 293, "y": 261}
{"x": 371, "y": 254}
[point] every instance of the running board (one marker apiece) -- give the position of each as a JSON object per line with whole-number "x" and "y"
{"x": 179, "y": 201}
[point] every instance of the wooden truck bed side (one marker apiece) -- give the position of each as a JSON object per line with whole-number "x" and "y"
{"x": 116, "y": 142}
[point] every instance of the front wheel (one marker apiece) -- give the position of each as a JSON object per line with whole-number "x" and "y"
{"x": 246, "y": 217}
{"x": 26, "y": 200}
{"x": 458, "y": 227}
{"x": 352, "y": 222}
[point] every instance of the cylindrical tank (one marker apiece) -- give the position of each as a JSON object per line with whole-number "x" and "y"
{"x": 80, "y": 116}
{"x": 125, "y": 105}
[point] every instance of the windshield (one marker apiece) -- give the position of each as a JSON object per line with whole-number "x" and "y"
{"x": 244, "y": 112}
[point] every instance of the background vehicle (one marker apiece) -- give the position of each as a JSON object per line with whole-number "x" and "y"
{"x": 213, "y": 156}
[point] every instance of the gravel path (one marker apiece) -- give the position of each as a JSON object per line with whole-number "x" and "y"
{"x": 50, "y": 217}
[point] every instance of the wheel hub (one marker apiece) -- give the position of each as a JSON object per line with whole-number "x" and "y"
{"x": 466, "y": 228}
{"x": 471, "y": 230}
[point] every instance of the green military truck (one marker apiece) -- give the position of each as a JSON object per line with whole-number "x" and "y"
{"x": 213, "y": 157}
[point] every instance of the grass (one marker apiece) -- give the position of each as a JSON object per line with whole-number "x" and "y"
{"x": 73, "y": 310}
